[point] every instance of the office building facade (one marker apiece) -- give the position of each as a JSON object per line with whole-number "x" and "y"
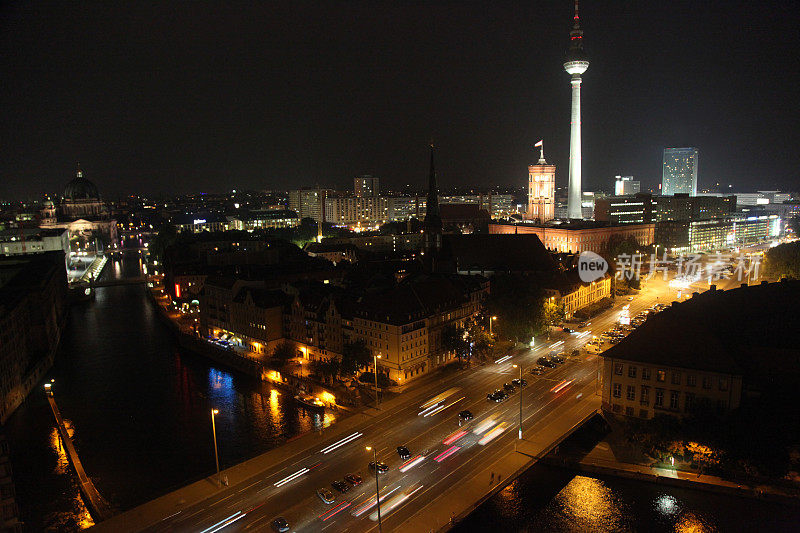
{"x": 679, "y": 171}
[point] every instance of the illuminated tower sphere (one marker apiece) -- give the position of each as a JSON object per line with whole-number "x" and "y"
{"x": 575, "y": 65}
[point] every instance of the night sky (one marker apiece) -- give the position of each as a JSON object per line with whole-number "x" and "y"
{"x": 166, "y": 97}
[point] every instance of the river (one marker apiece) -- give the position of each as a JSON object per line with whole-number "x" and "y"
{"x": 140, "y": 411}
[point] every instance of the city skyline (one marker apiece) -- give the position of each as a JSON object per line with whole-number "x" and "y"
{"x": 261, "y": 106}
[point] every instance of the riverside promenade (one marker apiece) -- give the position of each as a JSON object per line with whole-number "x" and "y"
{"x": 98, "y": 506}
{"x": 608, "y": 459}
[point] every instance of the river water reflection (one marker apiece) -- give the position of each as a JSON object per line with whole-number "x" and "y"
{"x": 140, "y": 409}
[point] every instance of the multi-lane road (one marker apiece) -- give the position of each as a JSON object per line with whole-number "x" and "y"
{"x": 443, "y": 450}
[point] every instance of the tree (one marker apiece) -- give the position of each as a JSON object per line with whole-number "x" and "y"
{"x": 282, "y": 353}
{"x": 327, "y": 369}
{"x": 355, "y": 356}
{"x": 518, "y": 302}
{"x": 783, "y": 261}
{"x": 482, "y": 343}
{"x": 454, "y": 341}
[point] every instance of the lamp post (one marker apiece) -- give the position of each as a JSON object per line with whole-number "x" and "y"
{"x": 377, "y": 490}
{"x": 492, "y": 319}
{"x": 377, "y": 399}
{"x": 216, "y": 454}
{"x": 520, "y": 399}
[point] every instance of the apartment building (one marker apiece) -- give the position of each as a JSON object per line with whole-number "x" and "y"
{"x": 714, "y": 351}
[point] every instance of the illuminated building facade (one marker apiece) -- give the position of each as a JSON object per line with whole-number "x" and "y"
{"x": 580, "y": 237}
{"x": 679, "y": 171}
{"x": 366, "y": 186}
{"x": 626, "y": 185}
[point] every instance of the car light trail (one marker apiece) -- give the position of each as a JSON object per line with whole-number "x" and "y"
{"x": 561, "y": 386}
{"x": 556, "y": 344}
{"x": 393, "y": 504}
{"x": 294, "y": 476}
{"x": 440, "y": 397}
{"x": 443, "y": 407}
{"x": 329, "y": 514}
{"x": 427, "y": 410}
{"x": 490, "y": 436}
{"x": 411, "y": 463}
{"x": 454, "y": 437}
{"x": 447, "y": 453}
{"x": 224, "y": 522}
{"x": 502, "y": 360}
{"x": 483, "y": 426}
{"x": 371, "y": 503}
{"x": 342, "y": 442}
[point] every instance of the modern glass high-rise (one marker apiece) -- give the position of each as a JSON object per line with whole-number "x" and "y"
{"x": 679, "y": 172}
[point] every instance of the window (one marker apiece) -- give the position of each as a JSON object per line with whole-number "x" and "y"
{"x": 629, "y": 411}
{"x": 723, "y": 384}
{"x": 691, "y": 380}
{"x": 618, "y": 369}
{"x": 688, "y": 402}
{"x": 646, "y": 374}
{"x": 673, "y": 399}
{"x": 706, "y": 382}
{"x": 645, "y": 398}
{"x": 631, "y": 371}
{"x": 631, "y": 393}
{"x": 676, "y": 378}
{"x": 643, "y": 413}
{"x": 617, "y": 408}
{"x": 661, "y": 376}
{"x": 617, "y": 390}
{"x": 659, "y": 398}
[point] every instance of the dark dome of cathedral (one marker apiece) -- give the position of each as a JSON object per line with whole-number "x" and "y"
{"x": 81, "y": 189}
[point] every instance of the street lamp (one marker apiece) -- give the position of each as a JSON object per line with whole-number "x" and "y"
{"x": 377, "y": 399}
{"x": 216, "y": 454}
{"x": 520, "y": 399}
{"x": 492, "y": 319}
{"x": 377, "y": 490}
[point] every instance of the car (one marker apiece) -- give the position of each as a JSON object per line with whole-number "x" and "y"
{"x": 381, "y": 468}
{"x": 543, "y": 361}
{"x": 280, "y": 524}
{"x": 559, "y": 359}
{"x": 326, "y": 495}
{"x": 575, "y": 353}
{"x": 465, "y": 415}
{"x": 582, "y": 325}
{"x": 509, "y": 387}
{"x": 403, "y": 452}
{"x": 353, "y": 479}
{"x": 568, "y": 330}
{"x": 340, "y": 485}
{"x": 630, "y": 298}
{"x": 497, "y": 396}
{"x": 537, "y": 370}
{"x": 519, "y": 382}
{"x": 615, "y": 341}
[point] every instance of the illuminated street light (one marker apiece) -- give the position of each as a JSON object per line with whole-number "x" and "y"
{"x": 377, "y": 399}
{"x": 216, "y": 454}
{"x": 490, "y": 325}
{"x": 520, "y": 399}
{"x": 377, "y": 489}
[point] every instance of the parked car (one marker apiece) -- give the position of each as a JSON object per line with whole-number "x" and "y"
{"x": 341, "y": 486}
{"x": 559, "y": 359}
{"x": 465, "y": 415}
{"x": 326, "y": 495}
{"x": 403, "y": 452}
{"x": 537, "y": 370}
{"x": 519, "y": 382}
{"x": 353, "y": 479}
{"x": 543, "y": 361}
{"x": 509, "y": 387}
{"x": 382, "y": 468}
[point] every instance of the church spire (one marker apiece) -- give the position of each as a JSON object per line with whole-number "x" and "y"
{"x": 433, "y": 219}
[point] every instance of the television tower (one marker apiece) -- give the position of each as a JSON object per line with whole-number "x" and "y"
{"x": 575, "y": 65}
